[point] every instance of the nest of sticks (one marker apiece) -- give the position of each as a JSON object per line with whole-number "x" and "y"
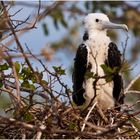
{"x": 64, "y": 122}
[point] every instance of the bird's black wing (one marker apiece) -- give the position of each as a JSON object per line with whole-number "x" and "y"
{"x": 80, "y": 67}
{"x": 114, "y": 60}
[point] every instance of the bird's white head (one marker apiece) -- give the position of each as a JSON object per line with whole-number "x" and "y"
{"x": 100, "y": 22}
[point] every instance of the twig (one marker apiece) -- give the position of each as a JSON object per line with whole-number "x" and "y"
{"x": 94, "y": 57}
{"x": 17, "y": 85}
{"x": 95, "y": 127}
{"x": 131, "y": 83}
{"x": 132, "y": 91}
{"x": 25, "y": 57}
{"x": 49, "y": 9}
{"x": 39, "y": 133}
{"x": 54, "y": 75}
{"x": 23, "y": 134}
{"x": 34, "y": 20}
{"x": 12, "y": 94}
{"x": 83, "y": 127}
{"x": 125, "y": 46}
{"x": 28, "y": 4}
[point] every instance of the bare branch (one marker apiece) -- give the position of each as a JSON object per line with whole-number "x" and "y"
{"x": 83, "y": 127}
{"x": 131, "y": 83}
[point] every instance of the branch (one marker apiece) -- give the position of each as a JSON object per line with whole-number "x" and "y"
{"x": 83, "y": 127}
{"x": 131, "y": 83}
{"x": 132, "y": 91}
{"x": 49, "y": 9}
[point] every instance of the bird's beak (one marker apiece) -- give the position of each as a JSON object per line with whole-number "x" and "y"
{"x": 110, "y": 25}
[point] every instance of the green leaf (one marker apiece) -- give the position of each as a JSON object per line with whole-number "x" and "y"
{"x": 27, "y": 85}
{"x": 4, "y": 67}
{"x": 89, "y": 75}
{"x": 109, "y": 72}
{"x": 26, "y": 70}
{"x": 27, "y": 117}
{"x": 116, "y": 70}
{"x": 26, "y": 73}
{"x": 33, "y": 79}
{"x": 72, "y": 125}
{"x": 21, "y": 77}
{"x": 17, "y": 66}
{"x": 32, "y": 87}
{"x": 59, "y": 70}
{"x": 108, "y": 78}
{"x": 106, "y": 69}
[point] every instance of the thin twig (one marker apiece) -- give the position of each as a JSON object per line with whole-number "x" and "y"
{"x": 125, "y": 46}
{"x": 131, "y": 83}
{"x": 132, "y": 91}
{"x": 83, "y": 127}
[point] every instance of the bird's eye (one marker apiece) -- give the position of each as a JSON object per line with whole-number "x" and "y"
{"x": 97, "y": 20}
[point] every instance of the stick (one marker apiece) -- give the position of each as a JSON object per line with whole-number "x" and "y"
{"x": 83, "y": 127}
{"x": 131, "y": 83}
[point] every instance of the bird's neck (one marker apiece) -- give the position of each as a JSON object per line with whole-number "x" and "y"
{"x": 97, "y": 34}
{"x": 97, "y": 38}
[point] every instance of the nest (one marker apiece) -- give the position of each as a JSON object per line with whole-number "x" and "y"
{"x": 65, "y": 122}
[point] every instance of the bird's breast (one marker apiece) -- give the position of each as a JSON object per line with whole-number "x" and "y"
{"x": 97, "y": 54}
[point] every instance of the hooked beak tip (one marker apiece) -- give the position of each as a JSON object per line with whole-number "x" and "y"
{"x": 125, "y": 27}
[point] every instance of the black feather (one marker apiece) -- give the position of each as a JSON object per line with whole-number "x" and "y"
{"x": 80, "y": 66}
{"x": 114, "y": 60}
